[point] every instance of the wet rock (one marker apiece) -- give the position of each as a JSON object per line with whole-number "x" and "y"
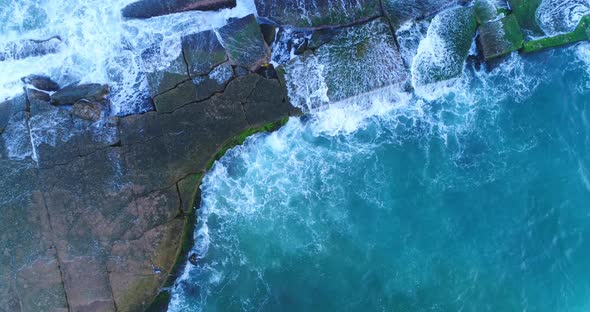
{"x": 117, "y": 194}
{"x": 244, "y": 43}
{"x": 182, "y": 95}
{"x": 202, "y": 52}
{"x": 41, "y": 82}
{"x": 525, "y": 13}
{"x": 401, "y": 11}
{"x": 5, "y": 112}
{"x": 368, "y": 50}
{"x": 33, "y": 94}
{"x": 485, "y": 11}
{"x": 16, "y": 50}
{"x": 164, "y": 80}
{"x": 151, "y": 8}
{"x": 581, "y": 33}
{"x": 87, "y": 110}
{"x": 71, "y": 94}
{"x": 317, "y": 13}
{"x": 193, "y": 259}
{"x": 442, "y": 54}
{"x": 269, "y": 32}
{"x": 500, "y": 37}
{"x": 215, "y": 82}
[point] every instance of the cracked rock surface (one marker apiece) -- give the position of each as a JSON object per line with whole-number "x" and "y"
{"x": 93, "y": 207}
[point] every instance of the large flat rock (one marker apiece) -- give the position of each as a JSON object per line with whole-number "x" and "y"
{"x": 93, "y": 212}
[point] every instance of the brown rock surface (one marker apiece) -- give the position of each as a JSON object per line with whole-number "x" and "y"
{"x": 92, "y": 214}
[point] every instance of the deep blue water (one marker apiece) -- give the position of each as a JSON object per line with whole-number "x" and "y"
{"x": 476, "y": 201}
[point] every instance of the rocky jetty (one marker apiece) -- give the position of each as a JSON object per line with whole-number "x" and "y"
{"x": 95, "y": 208}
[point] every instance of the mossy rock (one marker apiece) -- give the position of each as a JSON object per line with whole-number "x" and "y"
{"x": 485, "y": 11}
{"x": 581, "y": 33}
{"x": 500, "y": 37}
{"x": 525, "y": 13}
{"x": 244, "y": 43}
{"x": 400, "y": 11}
{"x": 441, "y": 56}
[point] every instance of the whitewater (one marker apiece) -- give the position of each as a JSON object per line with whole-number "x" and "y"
{"x": 471, "y": 196}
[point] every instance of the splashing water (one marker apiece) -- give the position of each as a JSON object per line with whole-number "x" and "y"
{"x": 98, "y": 45}
{"x": 393, "y": 202}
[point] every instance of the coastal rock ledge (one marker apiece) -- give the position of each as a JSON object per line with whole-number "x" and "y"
{"x": 94, "y": 208}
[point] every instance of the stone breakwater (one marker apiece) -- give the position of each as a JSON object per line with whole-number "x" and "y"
{"x": 94, "y": 208}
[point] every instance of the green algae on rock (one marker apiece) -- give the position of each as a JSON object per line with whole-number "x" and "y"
{"x": 581, "y": 33}
{"x": 441, "y": 56}
{"x": 525, "y": 13}
{"x": 500, "y": 37}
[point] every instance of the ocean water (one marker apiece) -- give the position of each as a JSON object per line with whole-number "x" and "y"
{"x": 476, "y": 200}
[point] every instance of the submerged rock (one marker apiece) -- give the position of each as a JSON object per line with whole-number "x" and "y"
{"x": 151, "y": 8}
{"x": 244, "y": 43}
{"x": 16, "y": 50}
{"x": 442, "y": 54}
{"x": 317, "y": 13}
{"x": 69, "y": 95}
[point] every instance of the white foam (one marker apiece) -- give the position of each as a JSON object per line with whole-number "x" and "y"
{"x": 99, "y": 46}
{"x": 561, "y": 16}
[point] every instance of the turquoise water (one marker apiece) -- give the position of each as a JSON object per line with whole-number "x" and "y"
{"x": 476, "y": 201}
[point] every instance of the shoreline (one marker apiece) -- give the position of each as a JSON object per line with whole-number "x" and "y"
{"x": 161, "y": 301}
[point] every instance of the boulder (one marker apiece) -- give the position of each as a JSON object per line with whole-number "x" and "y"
{"x": 442, "y": 54}
{"x": 244, "y": 43}
{"x": 215, "y": 82}
{"x": 16, "y": 50}
{"x": 317, "y": 13}
{"x": 334, "y": 71}
{"x": 87, "y": 110}
{"x": 500, "y": 37}
{"x": 41, "y": 82}
{"x": 71, "y": 94}
{"x": 151, "y": 8}
{"x": 202, "y": 51}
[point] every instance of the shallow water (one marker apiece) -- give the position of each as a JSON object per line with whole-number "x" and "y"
{"x": 475, "y": 201}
